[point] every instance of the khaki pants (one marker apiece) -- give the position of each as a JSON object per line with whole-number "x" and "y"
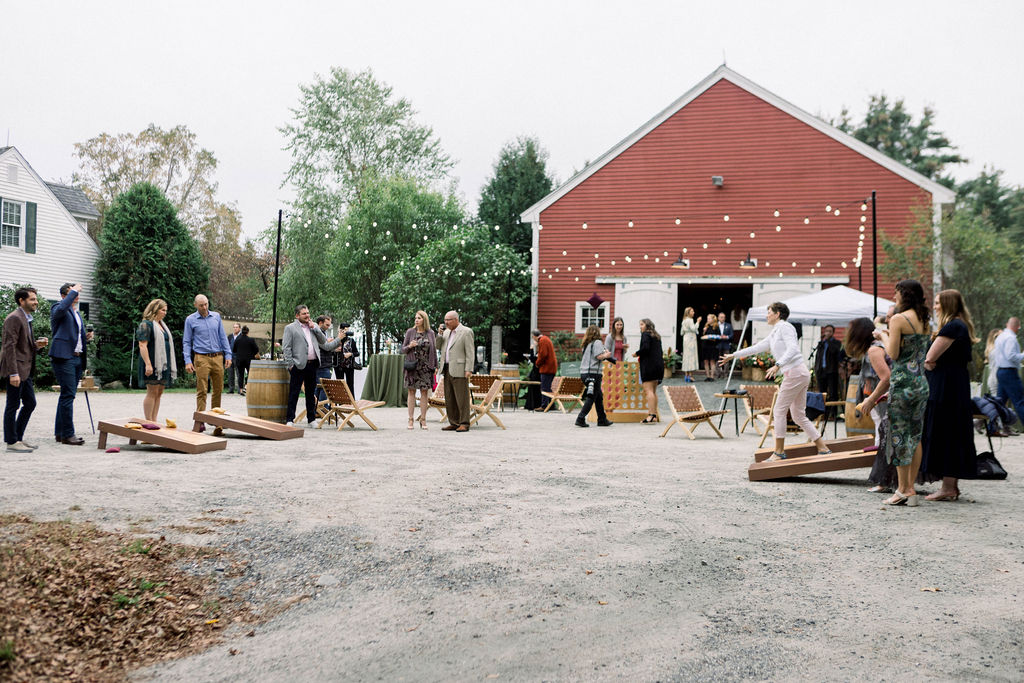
{"x": 457, "y": 399}
{"x": 208, "y": 368}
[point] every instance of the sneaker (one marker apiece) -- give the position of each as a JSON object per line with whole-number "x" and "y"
{"x": 17, "y": 447}
{"x": 689, "y": 379}
{"x": 26, "y": 444}
{"x": 289, "y": 424}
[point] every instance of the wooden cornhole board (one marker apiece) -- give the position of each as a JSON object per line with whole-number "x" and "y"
{"x": 250, "y": 425}
{"x": 181, "y": 440}
{"x": 847, "y": 454}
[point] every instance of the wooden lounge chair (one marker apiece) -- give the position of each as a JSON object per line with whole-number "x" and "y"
{"x": 344, "y": 406}
{"x": 688, "y": 409}
{"x": 436, "y": 400}
{"x": 486, "y": 405}
{"x": 760, "y": 398}
{"x": 791, "y": 427}
{"x": 483, "y": 385}
{"x": 509, "y": 385}
{"x": 565, "y": 390}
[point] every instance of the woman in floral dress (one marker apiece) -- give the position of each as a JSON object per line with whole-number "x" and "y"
{"x": 906, "y": 341}
{"x": 419, "y": 346}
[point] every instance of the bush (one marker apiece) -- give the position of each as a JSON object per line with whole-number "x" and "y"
{"x": 146, "y": 253}
{"x": 567, "y": 346}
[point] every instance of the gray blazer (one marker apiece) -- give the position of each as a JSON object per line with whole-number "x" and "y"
{"x": 293, "y": 344}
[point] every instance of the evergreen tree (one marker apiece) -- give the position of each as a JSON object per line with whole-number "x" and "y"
{"x": 520, "y": 180}
{"x": 146, "y": 253}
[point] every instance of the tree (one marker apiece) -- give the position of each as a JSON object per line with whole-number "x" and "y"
{"x": 464, "y": 270}
{"x": 350, "y": 130}
{"x": 395, "y": 219}
{"x": 999, "y": 206}
{"x": 174, "y": 163}
{"x": 519, "y": 181}
{"x": 146, "y": 253}
{"x": 356, "y": 149}
{"x": 891, "y": 129}
{"x": 171, "y": 160}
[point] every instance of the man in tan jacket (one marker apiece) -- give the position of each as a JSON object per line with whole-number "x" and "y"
{"x": 457, "y": 355}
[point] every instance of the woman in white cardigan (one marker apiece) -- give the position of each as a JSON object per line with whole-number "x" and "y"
{"x": 792, "y": 398}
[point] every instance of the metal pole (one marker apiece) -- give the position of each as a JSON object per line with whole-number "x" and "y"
{"x": 874, "y": 249}
{"x": 277, "y": 267}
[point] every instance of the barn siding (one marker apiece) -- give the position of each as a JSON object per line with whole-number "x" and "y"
{"x": 769, "y": 160}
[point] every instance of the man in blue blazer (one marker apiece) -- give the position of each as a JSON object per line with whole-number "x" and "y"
{"x": 67, "y": 353}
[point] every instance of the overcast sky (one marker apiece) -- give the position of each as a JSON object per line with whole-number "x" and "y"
{"x": 578, "y": 75}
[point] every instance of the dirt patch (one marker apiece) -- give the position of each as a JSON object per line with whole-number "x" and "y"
{"x": 83, "y": 604}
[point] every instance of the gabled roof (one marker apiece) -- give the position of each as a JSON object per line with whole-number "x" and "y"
{"x": 35, "y": 176}
{"x": 940, "y": 193}
{"x": 74, "y": 200}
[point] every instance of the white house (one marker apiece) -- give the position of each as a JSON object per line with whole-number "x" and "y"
{"x": 43, "y": 236}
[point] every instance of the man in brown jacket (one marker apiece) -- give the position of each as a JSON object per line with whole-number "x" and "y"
{"x": 547, "y": 365}
{"x": 17, "y": 366}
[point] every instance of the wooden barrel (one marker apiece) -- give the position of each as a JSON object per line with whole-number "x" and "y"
{"x": 856, "y": 426}
{"x": 266, "y": 391}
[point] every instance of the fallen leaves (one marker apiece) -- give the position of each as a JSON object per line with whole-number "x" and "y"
{"x": 931, "y": 589}
{"x": 82, "y": 604}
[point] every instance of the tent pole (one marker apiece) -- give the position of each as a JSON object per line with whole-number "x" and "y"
{"x": 732, "y": 365}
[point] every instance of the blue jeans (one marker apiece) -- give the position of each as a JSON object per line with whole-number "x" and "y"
{"x": 545, "y": 385}
{"x": 15, "y": 422}
{"x": 68, "y": 372}
{"x": 322, "y": 373}
{"x": 1010, "y": 387}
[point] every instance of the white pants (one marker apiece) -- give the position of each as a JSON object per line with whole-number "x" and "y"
{"x": 792, "y": 400}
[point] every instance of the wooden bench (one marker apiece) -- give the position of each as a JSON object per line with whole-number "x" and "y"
{"x": 181, "y": 440}
{"x": 847, "y": 454}
{"x": 250, "y": 425}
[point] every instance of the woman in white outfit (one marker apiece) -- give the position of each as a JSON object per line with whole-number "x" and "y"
{"x": 792, "y": 398}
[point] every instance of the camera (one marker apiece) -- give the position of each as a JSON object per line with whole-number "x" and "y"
{"x": 349, "y": 333}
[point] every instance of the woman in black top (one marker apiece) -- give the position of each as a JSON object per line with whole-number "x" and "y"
{"x": 652, "y": 367}
{"x": 948, "y": 437}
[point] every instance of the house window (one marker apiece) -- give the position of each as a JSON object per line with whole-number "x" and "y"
{"x": 10, "y": 224}
{"x": 587, "y": 315}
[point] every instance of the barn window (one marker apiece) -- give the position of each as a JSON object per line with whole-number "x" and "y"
{"x": 10, "y": 225}
{"x": 587, "y": 315}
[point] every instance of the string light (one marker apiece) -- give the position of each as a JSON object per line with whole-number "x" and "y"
{"x": 725, "y": 218}
{"x": 714, "y": 262}
{"x": 776, "y": 214}
{"x": 778, "y": 228}
{"x": 751, "y": 235}
{"x": 728, "y": 240}
{"x": 629, "y": 224}
{"x": 678, "y": 221}
{"x": 705, "y": 245}
{"x": 863, "y": 219}
{"x": 836, "y": 212}
{"x": 828, "y": 208}
{"x": 584, "y": 225}
{"x": 563, "y": 251}
{"x": 807, "y": 221}
{"x": 863, "y": 207}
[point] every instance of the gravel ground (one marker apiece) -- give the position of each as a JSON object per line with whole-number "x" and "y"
{"x": 548, "y": 552}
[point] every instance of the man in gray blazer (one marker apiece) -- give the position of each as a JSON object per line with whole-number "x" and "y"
{"x": 301, "y": 345}
{"x": 457, "y": 355}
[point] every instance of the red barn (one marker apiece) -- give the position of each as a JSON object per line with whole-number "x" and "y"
{"x": 730, "y": 197}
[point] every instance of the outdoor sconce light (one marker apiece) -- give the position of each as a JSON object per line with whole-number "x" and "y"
{"x": 717, "y": 180}
{"x": 682, "y": 263}
{"x": 749, "y": 263}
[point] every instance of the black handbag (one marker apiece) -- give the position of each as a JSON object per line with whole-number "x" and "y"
{"x": 989, "y": 467}
{"x": 410, "y": 363}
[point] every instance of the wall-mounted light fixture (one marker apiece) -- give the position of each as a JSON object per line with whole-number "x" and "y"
{"x": 749, "y": 263}
{"x": 717, "y": 180}
{"x": 682, "y": 263}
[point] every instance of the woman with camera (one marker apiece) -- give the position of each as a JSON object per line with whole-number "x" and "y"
{"x": 420, "y": 352}
{"x": 349, "y": 353}
{"x": 157, "y": 366}
{"x": 590, "y": 372}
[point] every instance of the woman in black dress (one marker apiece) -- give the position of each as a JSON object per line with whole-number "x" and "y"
{"x": 948, "y": 438}
{"x": 652, "y": 367}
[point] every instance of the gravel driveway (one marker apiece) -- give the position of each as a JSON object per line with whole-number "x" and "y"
{"x": 548, "y": 552}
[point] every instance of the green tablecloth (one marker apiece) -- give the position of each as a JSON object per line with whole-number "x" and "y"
{"x": 385, "y": 380}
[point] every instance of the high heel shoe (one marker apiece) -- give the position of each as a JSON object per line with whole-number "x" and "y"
{"x": 423, "y": 423}
{"x": 650, "y": 419}
{"x": 410, "y": 423}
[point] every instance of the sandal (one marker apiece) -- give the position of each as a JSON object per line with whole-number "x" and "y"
{"x": 775, "y": 457}
{"x": 827, "y": 451}
{"x": 410, "y": 423}
{"x": 423, "y": 423}
{"x": 650, "y": 419}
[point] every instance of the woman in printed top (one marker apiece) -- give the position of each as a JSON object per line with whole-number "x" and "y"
{"x": 792, "y": 396}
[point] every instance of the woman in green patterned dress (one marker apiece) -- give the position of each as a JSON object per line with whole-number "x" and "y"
{"x": 906, "y": 342}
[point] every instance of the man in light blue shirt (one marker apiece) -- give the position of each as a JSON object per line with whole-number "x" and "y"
{"x": 207, "y": 353}
{"x": 1005, "y": 360}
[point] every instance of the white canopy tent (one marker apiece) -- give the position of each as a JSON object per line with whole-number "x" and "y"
{"x": 835, "y": 306}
